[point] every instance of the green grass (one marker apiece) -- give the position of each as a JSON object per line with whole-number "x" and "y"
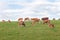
{"x": 11, "y": 31}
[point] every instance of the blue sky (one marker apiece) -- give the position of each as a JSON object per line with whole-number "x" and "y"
{"x": 14, "y": 9}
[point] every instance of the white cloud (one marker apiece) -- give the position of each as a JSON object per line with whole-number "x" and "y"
{"x": 58, "y": 14}
{"x": 57, "y": 0}
{"x": 44, "y": 14}
{"x": 2, "y": 3}
{"x": 12, "y": 10}
{"x": 29, "y": 8}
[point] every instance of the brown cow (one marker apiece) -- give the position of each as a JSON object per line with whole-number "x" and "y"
{"x": 51, "y": 25}
{"x": 3, "y": 21}
{"x": 21, "y": 22}
{"x": 34, "y": 20}
{"x": 9, "y": 21}
{"x": 45, "y": 20}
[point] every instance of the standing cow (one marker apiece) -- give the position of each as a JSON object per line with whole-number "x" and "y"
{"x": 34, "y": 20}
{"x": 45, "y": 20}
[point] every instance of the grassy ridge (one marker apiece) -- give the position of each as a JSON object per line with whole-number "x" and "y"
{"x": 11, "y": 31}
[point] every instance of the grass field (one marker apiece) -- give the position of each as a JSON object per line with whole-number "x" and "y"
{"x": 11, "y": 31}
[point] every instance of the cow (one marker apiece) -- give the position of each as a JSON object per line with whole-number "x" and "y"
{"x": 3, "y": 21}
{"x": 45, "y": 20}
{"x": 59, "y": 19}
{"x": 21, "y": 22}
{"x": 53, "y": 18}
{"x": 9, "y": 21}
{"x": 34, "y": 20}
{"x": 51, "y": 25}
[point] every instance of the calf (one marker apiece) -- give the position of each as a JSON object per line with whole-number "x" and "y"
{"x": 51, "y": 25}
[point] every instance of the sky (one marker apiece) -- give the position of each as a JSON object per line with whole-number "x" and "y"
{"x": 14, "y": 9}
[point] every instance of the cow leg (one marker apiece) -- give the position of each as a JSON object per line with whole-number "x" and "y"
{"x": 23, "y": 24}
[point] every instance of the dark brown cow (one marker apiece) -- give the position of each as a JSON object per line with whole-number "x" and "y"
{"x": 45, "y": 20}
{"x": 34, "y": 20}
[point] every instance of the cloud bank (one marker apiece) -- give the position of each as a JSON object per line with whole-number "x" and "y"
{"x": 13, "y": 9}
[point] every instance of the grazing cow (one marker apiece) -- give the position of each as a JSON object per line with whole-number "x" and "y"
{"x": 59, "y": 19}
{"x": 21, "y": 22}
{"x": 9, "y": 21}
{"x": 3, "y": 21}
{"x": 34, "y": 20}
{"x": 51, "y": 25}
{"x": 53, "y": 18}
{"x": 45, "y": 20}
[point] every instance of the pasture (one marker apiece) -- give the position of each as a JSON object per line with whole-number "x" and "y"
{"x": 11, "y": 31}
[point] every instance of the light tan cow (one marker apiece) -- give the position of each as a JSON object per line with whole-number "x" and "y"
{"x": 34, "y": 20}
{"x": 51, "y": 25}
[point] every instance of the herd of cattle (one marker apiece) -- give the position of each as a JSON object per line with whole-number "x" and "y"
{"x": 21, "y": 21}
